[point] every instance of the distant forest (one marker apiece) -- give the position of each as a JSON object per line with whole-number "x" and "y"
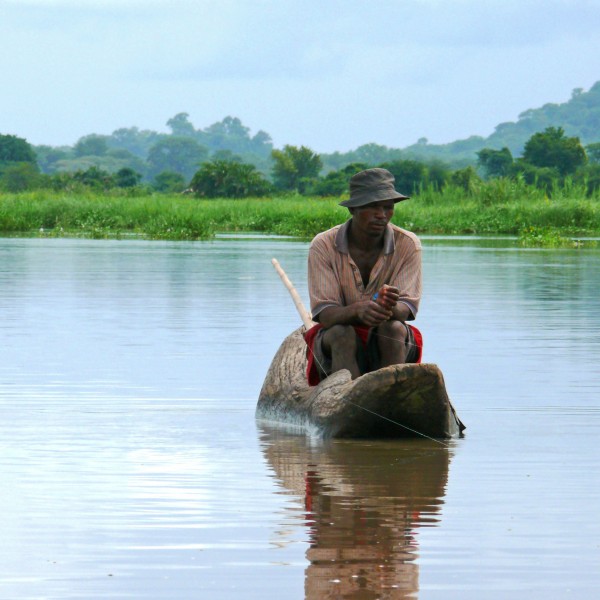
{"x": 150, "y": 153}
{"x": 547, "y": 147}
{"x": 579, "y": 117}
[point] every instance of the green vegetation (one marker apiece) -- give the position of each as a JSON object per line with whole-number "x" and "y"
{"x": 185, "y": 148}
{"x": 14, "y": 149}
{"x": 579, "y": 117}
{"x": 100, "y": 216}
{"x": 295, "y": 168}
{"x": 542, "y": 184}
{"x": 180, "y": 154}
{"x": 500, "y": 206}
{"x": 149, "y": 153}
{"x": 545, "y": 145}
{"x": 176, "y": 163}
{"x": 550, "y": 237}
{"x": 229, "y": 179}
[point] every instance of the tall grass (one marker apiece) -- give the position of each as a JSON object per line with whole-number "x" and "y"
{"x": 296, "y": 215}
{"x": 502, "y": 206}
{"x": 98, "y": 215}
{"x": 495, "y": 207}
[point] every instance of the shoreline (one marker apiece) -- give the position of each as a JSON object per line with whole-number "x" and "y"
{"x": 532, "y": 221}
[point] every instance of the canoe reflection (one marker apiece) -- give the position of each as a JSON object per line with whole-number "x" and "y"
{"x": 365, "y": 502}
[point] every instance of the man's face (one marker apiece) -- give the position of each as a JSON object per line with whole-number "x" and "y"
{"x": 373, "y": 218}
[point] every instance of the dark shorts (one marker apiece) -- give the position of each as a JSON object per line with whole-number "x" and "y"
{"x": 319, "y": 364}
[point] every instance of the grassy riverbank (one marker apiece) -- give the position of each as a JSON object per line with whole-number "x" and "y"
{"x": 503, "y": 208}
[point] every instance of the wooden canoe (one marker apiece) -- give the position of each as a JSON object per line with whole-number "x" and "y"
{"x": 397, "y": 401}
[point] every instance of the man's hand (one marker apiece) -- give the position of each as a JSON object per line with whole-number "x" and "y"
{"x": 368, "y": 312}
{"x": 372, "y": 313}
{"x": 388, "y": 296}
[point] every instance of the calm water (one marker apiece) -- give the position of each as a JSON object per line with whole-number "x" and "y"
{"x": 132, "y": 466}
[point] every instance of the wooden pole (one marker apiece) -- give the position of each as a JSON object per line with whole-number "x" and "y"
{"x": 304, "y": 314}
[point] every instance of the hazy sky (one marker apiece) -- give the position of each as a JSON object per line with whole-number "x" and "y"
{"x": 328, "y": 74}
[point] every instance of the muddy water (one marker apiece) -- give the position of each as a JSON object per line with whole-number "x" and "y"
{"x": 132, "y": 466}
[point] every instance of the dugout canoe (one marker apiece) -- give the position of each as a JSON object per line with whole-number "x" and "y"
{"x": 408, "y": 400}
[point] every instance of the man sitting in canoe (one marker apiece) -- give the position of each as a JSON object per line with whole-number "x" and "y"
{"x": 364, "y": 280}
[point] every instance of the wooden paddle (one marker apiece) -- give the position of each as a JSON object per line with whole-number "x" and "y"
{"x": 304, "y": 314}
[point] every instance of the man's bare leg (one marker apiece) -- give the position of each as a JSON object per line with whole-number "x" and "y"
{"x": 339, "y": 342}
{"x": 392, "y": 338}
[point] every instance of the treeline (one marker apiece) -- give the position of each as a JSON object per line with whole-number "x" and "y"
{"x": 550, "y": 159}
{"x": 151, "y": 154}
{"x": 545, "y": 148}
{"x": 185, "y": 146}
{"x": 579, "y": 117}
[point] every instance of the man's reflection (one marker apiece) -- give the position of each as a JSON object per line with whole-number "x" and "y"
{"x": 365, "y": 502}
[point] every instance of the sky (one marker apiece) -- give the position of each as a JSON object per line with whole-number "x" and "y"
{"x": 328, "y": 74}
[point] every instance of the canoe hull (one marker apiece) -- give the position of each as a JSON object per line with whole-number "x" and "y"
{"x": 397, "y": 401}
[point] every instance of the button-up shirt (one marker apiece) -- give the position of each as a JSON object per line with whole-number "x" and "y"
{"x": 335, "y": 280}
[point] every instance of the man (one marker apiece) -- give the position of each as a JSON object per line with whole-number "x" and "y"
{"x": 364, "y": 281}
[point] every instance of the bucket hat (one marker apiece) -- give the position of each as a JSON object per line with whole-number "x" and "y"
{"x": 372, "y": 185}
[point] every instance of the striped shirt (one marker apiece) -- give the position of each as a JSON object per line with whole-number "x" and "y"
{"x": 335, "y": 280}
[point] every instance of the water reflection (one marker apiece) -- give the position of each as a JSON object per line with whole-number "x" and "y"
{"x": 129, "y": 372}
{"x": 365, "y": 502}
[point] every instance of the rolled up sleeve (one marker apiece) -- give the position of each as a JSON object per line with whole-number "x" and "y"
{"x": 408, "y": 279}
{"x": 323, "y": 286}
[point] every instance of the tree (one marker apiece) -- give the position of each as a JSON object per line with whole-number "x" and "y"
{"x": 294, "y": 167}
{"x": 229, "y": 179}
{"x": 226, "y": 155}
{"x": 372, "y": 154}
{"x": 181, "y": 126}
{"x": 552, "y": 149}
{"x": 47, "y": 157}
{"x": 261, "y": 144}
{"x": 20, "y": 177}
{"x": 593, "y": 153}
{"x": 590, "y": 177}
{"x": 231, "y": 134}
{"x": 228, "y": 134}
{"x": 14, "y": 149}
{"x": 543, "y": 178}
{"x": 120, "y": 158}
{"x": 335, "y": 183}
{"x": 409, "y": 174}
{"x": 110, "y": 163}
{"x": 94, "y": 177}
{"x": 495, "y": 163}
{"x": 179, "y": 154}
{"x": 354, "y": 168}
{"x": 136, "y": 141}
{"x": 127, "y": 177}
{"x": 91, "y": 145}
{"x": 121, "y": 154}
{"x": 169, "y": 182}
{"x": 466, "y": 178}
{"x": 438, "y": 174}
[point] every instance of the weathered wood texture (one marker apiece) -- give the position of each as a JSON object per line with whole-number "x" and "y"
{"x": 396, "y": 401}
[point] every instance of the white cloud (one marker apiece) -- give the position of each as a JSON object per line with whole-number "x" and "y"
{"x": 331, "y": 75}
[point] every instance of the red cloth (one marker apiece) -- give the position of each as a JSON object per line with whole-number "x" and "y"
{"x": 418, "y": 342}
{"x": 312, "y": 374}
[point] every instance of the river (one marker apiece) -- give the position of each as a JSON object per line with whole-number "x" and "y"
{"x": 132, "y": 465}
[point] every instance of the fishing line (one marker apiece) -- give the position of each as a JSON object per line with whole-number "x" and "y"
{"x": 389, "y": 337}
{"x": 306, "y": 319}
{"x": 399, "y": 424}
{"x": 377, "y": 414}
